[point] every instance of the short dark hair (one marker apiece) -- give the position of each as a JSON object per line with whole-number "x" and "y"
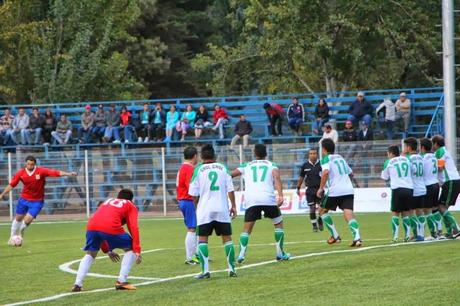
{"x": 125, "y": 194}
{"x": 207, "y": 152}
{"x": 411, "y": 142}
{"x": 190, "y": 152}
{"x": 31, "y": 158}
{"x": 260, "y": 150}
{"x": 439, "y": 140}
{"x": 34, "y": 108}
{"x": 328, "y": 145}
{"x": 313, "y": 149}
{"x": 426, "y": 144}
{"x": 266, "y": 105}
{"x": 393, "y": 150}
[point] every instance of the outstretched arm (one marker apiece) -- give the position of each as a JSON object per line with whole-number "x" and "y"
{"x": 6, "y": 191}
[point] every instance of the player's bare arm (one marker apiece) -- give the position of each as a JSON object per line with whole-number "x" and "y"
{"x": 231, "y": 196}
{"x": 299, "y": 184}
{"x": 196, "y": 200}
{"x": 324, "y": 178}
{"x": 64, "y": 173}
{"x": 235, "y": 173}
{"x": 6, "y": 191}
{"x": 278, "y": 186}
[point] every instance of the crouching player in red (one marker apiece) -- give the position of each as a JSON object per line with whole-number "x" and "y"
{"x": 106, "y": 227}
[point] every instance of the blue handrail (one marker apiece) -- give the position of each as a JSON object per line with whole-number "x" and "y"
{"x": 435, "y": 117}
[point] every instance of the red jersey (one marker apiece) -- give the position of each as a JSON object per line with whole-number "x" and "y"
{"x": 183, "y": 181}
{"x": 275, "y": 109}
{"x": 110, "y": 217}
{"x": 33, "y": 182}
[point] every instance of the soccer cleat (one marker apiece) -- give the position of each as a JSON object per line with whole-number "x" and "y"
{"x": 407, "y": 239}
{"x": 356, "y": 243}
{"x": 240, "y": 259}
{"x": 455, "y": 235}
{"x": 124, "y": 286}
{"x": 76, "y": 288}
{"x": 232, "y": 274}
{"x": 191, "y": 262}
{"x": 430, "y": 238}
{"x": 315, "y": 229}
{"x": 333, "y": 240}
{"x": 419, "y": 238}
{"x": 203, "y": 275}
{"x": 394, "y": 240}
{"x": 283, "y": 257}
{"x": 321, "y": 227}
{"x": 439, "y": 234}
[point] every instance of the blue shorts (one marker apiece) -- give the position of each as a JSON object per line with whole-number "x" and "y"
{"x": 95, "y": 238}
{"x": 33, "y": 208}
{"x": 188, "y": 210}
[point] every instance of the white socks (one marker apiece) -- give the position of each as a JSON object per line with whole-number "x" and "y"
{"x": 83, "y": 269}
{"x": 128, "y": 260}
{"x": 190, "y": 245}
{"x": 23, "y": 227}
{"x": 15, "y": 225}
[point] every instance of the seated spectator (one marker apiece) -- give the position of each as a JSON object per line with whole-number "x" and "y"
{"x": 112, "y": 120}
{"x": 87, "y": 121}
{"x": 295, "y": 115}
{"x": 220, "y": 117}
{"x": 143, "y": 127}
{"x": 20, "y": 126}
{"x": 202, "y": 121}
{"x": 36, "y": 124}
{"x": 100, "y": 119}
{"x": 172, "y": 117}
{"x": 6, "y": 125}
{"x": 330, "y": 133}
{"x": 403, "y": 111}
{"x": 63, "y": 130}
{"x": 349, "y": 135}
{"x": 49, "y": 126}
{"x": 274, "y": 113}
{"x": 386, "y": 112}
{"x": 186, "y": 122}
{"x": 159, "y": 123}
{"x": 126, "y": 123}
{"x": 321, "y": 115}
{"x": 360, "y": 110}
{"x": 242, "y": 130}
{"x": 366, "y": 137}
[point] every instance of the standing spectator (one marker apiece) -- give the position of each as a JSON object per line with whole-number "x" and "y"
{"x": 274, "y": 113}
{"x": 220, "y": 119}
{"x": 63, "y": 130}
{"x": 202, "y": 121}
{"x": 87, "y": 121}
{"x": 36, "y": 124}
{"x": 295, "y": 115}
{"x": 360, "y": 110}
{"x": 159, "y": 122}
{"x": 49, "y": 126}
{"x": 388, "y": 109}
{"x": 20, "y": 126}
{"x": 172, "y": 117}
{"x": 349, "y": 136}
{"x": 112, "y": 120}
{"x": 143, "y": 128}
{"x": 186, "y": 122}
{"x": 321, "y": 115}
{"x": 403, "y": 111}
{"x": 126, "y": 123}
{"x": 99, "y": 123}
{"x": 242, "y": 130}
{"x": 6, "y": 125}
{"x": 330, "y": 133}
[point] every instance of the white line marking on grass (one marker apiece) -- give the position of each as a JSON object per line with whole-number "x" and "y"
{"x": 85, "y": 221}
{"x": 162, "y": 280}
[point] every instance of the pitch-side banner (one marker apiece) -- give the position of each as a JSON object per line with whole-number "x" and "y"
{"x": 366, "y": 200}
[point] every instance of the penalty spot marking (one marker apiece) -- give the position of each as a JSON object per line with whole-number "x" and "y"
{"x": 262, "y": 263}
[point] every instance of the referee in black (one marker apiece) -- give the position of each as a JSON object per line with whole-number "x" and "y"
{"x": 310, "y": 172}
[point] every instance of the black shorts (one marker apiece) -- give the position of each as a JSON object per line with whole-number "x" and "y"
{"x": 221, "y": 228}
{"x": 401, "y": 199}
{"x": 432, "y": 196}
{"x": 418, "y": 202}
{"x": 449, "y": 193}
{"x": 310, "y": 195}
{"x": 255, "y": 212}
{"x": 342, "y": 202}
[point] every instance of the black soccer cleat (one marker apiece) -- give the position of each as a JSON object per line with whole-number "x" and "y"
{"x": 356, "y": 243}
{"x": 76, "y": 288}
{"x": 203, "y": 275}
{"x": 232, "y": 274}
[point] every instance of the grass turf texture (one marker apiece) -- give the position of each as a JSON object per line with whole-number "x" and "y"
{"x": 423, "y": 274}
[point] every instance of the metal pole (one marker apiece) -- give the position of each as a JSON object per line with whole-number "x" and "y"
{"x": 10, "y": 194}
{"x": 448, "y": 60}
{"x": 87, "y": 184}
{"x": 241, "y": 162}
{"x": 163, "y": 169}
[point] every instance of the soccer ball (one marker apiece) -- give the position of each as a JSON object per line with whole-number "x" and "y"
{"x": 16, "y": 241}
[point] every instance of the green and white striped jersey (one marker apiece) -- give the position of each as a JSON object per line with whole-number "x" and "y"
{"x": 449, "y": 173}
{"x": 430, "y": 169}
{"x": 398, "y": 171}
{"x": 417, "y": 174}
{"x": 339, "y": 182}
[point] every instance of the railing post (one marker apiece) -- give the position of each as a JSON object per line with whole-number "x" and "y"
{"x": 10, "y": 194}
{"x": 163, "y": 169}
{"x": 241, "y": 162}
{"x": 87, "y": 185}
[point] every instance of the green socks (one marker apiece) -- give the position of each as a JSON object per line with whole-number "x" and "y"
{"x": 354, "y": 228}
{"x": 407, "y": 226}
{"x": 421, "y": 225}
{"x": 279, "y": 238}
{"x": 451, "y": 223}
{"x": 327, "y": 220}
{"x": 438, "y": 220}
{"x": 414, "y": 224}
{"x": 395, "y": 227}
{"x": 230, "y": 254}
{"x": 431, "y": 225}
{"x": 244, "y": 240}
{"x": 203, "y": 256}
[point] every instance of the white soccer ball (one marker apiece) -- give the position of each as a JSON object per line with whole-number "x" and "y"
{"x": 16, "y": 241}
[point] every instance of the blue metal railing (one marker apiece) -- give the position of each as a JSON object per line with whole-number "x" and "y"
{"x": 436, "y": 119}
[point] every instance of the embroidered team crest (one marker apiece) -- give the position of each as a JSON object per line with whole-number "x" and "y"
{"x": 37, "y": 176}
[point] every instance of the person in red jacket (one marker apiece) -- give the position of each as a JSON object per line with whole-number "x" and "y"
{"x": 105, "y": 231}
{"x": 274, "y": 113}
{"x": 126, "y": 123}
{"x": 220, "y": 119}
{"x": 32, "y": 198}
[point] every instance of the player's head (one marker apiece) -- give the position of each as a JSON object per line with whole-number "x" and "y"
{"x": 260, "y": 151}
{"x": 328, "y": 146}
{"x": 410, "y": 145}
{"x": 31, "y": 161}
{"x": 125, "y": 194}
{"x": 393, "y": 151}
{"x": 425, "y": 145}
{"x": 313, "y": 155}
{"x": 208, "y": 153}
{"x": 438, "y": 142}
{"x": 190, "y": 154}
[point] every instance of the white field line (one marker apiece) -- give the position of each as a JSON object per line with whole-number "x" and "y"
{"x": 183, "y": 276}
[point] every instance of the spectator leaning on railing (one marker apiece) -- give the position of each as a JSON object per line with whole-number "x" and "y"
{"x": 403, "y": 111}
{"x": 158, "y": 122}
{"x": 388, "y": 109}
{"x": 98, "y": 129}
{"x": 20, "y": 126}
{"x": 274, "y": 114}
{"x": 360, "y": 110}
{"x": 87, "y": 121}
{"x": 36, "y": 124}
{"x": 242, "y": 130}
{"x": 295, "y": 115}
{"x": 6, "y": 125}
{"x": 321, "y": 115}
{"x": 112, "y": 122}
{"x": 220, "y": 119}
{"x": 63, "y": 130}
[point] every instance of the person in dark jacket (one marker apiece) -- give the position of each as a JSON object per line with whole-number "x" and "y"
{"x": 349, "y": 135}
{"x": 158, "y": 123}
{"x": 242, "y": 130}
{"x": 321, "y": 115}
{"x": 112, "y": 121}
{"x": 361, "y": 110}
{"x": 100, "y": 122}
{"x": 274, "y": 113}
{"x": 49, "y": 126}
{"x": 143, "y": 124}
{"x": 295, "y": 115}
{"x": 201, "y": 121}
{"x": 36, "y": 124}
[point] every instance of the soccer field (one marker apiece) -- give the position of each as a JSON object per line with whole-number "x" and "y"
{"x": 379, "y": 273}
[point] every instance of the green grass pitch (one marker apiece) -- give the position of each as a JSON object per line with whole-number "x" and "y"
{"x": 408, "y": 274}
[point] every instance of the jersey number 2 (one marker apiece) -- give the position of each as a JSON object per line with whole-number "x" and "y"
{"x": 213, "y": 178}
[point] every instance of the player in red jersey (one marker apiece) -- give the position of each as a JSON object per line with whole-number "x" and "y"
{"x": 186, "y": 203}
{"x": 32, "y": 198}
{"x": 105, "y": 231}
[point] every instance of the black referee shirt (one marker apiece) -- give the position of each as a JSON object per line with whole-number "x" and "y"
{"x": 311, "y": 174}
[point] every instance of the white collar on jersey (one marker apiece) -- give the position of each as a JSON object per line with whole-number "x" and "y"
{"x": 29, "y": 173}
